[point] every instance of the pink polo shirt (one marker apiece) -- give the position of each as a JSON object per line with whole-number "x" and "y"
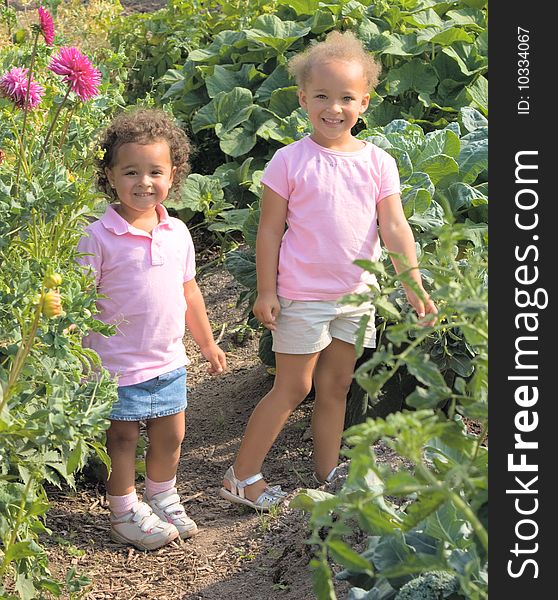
{"x": 142, "y": 274}
{"x": 331, "y": 216}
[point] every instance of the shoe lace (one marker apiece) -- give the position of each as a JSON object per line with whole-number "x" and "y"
{"x": 144, "y": 517}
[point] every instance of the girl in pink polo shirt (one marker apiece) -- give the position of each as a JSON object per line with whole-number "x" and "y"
{"x": 144, "y": 267}
{"x": 334, "y": 192}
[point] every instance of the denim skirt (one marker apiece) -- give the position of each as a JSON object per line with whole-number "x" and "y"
{"x": 158, "y": 397}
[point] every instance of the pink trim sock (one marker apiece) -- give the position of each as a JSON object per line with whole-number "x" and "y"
{"x": 120, "y": 505}
{"x": 156, "y": 487}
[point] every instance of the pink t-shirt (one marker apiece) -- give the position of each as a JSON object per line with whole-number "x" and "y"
{"x": 142, "y": 276}
{"x": 331, "y": 216}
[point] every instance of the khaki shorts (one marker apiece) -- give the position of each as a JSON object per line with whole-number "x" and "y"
{"x": 308, "y": 326}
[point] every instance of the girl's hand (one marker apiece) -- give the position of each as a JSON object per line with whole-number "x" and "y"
{"x": 266, "y": 310}
{"x": 216, "y": 357}
{"x": 424, "y": 307}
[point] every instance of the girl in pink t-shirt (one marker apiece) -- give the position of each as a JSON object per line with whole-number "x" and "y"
{"x": 334, "y": 192}
{"x": 144, "y": 267}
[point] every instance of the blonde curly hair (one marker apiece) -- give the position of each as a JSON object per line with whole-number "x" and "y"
{"x": 143, "y": 126}
{"x": 336, "y": 46}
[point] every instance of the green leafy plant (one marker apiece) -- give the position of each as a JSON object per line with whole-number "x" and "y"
{"x": 431, "y": 515}
{"x": 54, "y": 395}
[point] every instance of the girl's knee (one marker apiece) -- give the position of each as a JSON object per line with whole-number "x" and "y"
{"x": 294, "y": 392}
{"x": 123, "y": 433}
{"x": 337, "y": 385}
{"x": 170, "y": 441}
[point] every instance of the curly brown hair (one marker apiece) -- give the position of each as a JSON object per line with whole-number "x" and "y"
{"x": 336, "y": 46}
{"x": 143, "y": 126}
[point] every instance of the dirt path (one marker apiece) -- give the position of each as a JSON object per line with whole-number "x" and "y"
{"x": 237, "y": 553}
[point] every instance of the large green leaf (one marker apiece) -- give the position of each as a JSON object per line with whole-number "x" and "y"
{"x": 425, "y": 370}
{"x": 447, "y": 37}
{"x": 301, "y": 7}
{"x": 471, "y": 18}
{"x": 344, "y": 555}
{"x": 424, "y": 18}
{"x": 225, "y": 112}
{"x": 272, "y": 31}
{"x": 461, "y": 196}
{"x": 472, "y": 160}
{"x": 222, "y": 43}
{"x": 226, "y": 77}
{"x": 472, "y": 119}
{"x": 322, "y": 20}
{"x": 413, "y": 75}
{"x": 467, "y": 58}
{"x": 199, "y": 191}
{"x": 230, "y": 220}
{"x": 415, "y": 200}
{"x": 279, "y": 78}
{"x": 439, "y": 167}
{"x": 241, "y": 140}
{"x": 371, "y": 36}
{"x": 442, "y": 141}
{"x": 242, "y": 265}
{"x": 397, "y": 45}
{"x": 283, "y": 101}
{"x": 477, "y": 93}
{"x": 391, "y": 551}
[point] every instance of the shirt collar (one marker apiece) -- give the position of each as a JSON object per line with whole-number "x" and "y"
{"x": 113, "y": 222}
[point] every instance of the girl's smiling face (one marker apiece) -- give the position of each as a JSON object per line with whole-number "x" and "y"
{"x": 142, "y": 175}
{"x": 335, "y": 95}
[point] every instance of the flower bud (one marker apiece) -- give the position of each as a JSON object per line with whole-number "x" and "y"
{"x": 52, "y": 307}
{"x": 52, "y": 280}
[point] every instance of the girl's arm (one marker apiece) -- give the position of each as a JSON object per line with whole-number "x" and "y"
{"x": 273, "y": 214}
{"x": 198, "y": 324}
{"x": 397, "y": 237}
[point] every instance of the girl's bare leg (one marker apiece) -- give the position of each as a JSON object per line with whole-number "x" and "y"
{"x": 293, "y": 382}
{"x": 122, "y": 440}
{"x": 163, "y": 453}
{"x": 332, "y": 379}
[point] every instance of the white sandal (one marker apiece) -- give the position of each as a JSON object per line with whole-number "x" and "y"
{"x": 270, "y": 497}
{"x": 329, "y": 479}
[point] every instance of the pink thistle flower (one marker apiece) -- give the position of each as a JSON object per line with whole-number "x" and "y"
{"x": 47, "y": 25}
{"x": 77, "y": 70}
{"x": 14, "y": 85}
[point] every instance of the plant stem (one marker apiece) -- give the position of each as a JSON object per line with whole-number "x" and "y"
{"x": 22, "y": 353}
{"x": 54, "y": 119}
{"x": 66, "y": 125}
{"x": 19, "y": 520}
{"x": 480, "y": 441}
{"x": 21, "y": 149}
{"x": 25, "y": 106}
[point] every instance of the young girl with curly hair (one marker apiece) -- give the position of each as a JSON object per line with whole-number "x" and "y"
{"x": 144, "y": 266}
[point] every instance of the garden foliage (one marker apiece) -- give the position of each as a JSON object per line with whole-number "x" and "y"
{"x": 54, "y": 396}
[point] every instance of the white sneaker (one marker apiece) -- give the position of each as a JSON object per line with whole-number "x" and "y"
{"x": 166, "y": 505}
{"x": 142, "y": 529}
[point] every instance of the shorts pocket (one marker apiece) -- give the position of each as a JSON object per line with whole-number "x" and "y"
{"x": 284, "y": 302}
